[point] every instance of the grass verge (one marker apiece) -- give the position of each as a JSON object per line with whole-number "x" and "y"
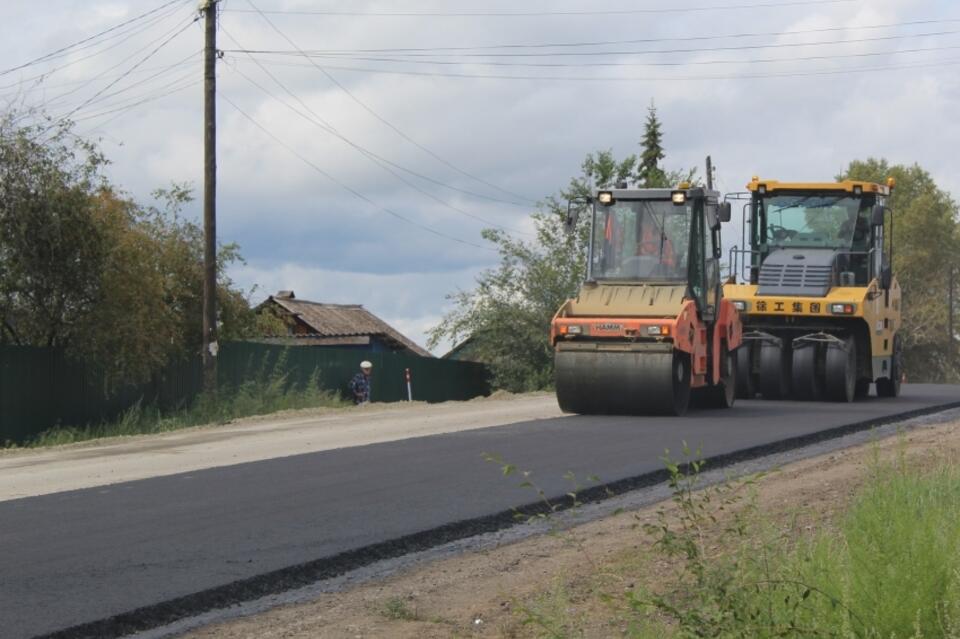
{"x": 266, "y": 394}
{"x": 888, "y": 567}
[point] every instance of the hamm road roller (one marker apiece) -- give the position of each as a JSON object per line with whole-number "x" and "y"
{"x": 650, "y": 326}
{"x": 819, "y": 303}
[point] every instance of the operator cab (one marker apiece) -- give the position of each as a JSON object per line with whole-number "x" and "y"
{"x": 836, "y": 230}
{"x": 658, "y": 237}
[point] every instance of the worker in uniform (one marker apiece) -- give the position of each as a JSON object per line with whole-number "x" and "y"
{"x": 654, "y": 242}
{"x": 360, "y": 384}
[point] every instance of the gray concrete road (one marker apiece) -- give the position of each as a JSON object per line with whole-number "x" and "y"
{"x": 240, "y": 531}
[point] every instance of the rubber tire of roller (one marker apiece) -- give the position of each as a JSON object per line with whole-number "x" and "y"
{"x": 723, "y": 395}
{"x": 622, "y": 383}
{"x": 746, "y": 388}
{"x": 841, "y": 371}
{"x": 774, "y": 380}
{"x": 890, "y": 386}
{"x": 807, "y": 382}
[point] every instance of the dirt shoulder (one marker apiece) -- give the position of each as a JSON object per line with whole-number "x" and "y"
{"x": 478, "y": 594}
{"x": 30, "y": 472}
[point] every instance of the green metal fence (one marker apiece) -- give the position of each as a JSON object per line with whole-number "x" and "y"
{"x": 433, "y": 379}
{"x": 41, "y": 388}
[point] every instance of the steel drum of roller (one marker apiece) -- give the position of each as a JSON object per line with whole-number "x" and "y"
{"x": 622, "y": 383}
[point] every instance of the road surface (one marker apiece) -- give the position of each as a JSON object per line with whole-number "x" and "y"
{"x": 178, "y": 544}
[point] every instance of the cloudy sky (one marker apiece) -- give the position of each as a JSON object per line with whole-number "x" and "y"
{"x": 363, "y": 145}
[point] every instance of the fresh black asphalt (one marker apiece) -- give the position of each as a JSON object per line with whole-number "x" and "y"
{"x": 81, "y": 557}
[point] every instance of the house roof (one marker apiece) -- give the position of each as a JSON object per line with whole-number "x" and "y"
{"x": 461, "y": 350}
{"x": 341, "y": 320}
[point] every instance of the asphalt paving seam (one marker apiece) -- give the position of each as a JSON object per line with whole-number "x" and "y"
{"x": 304, "y": 574}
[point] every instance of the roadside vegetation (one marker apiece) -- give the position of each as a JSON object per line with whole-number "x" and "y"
{"x": 886, "y": 568}
{"x": 261, "y": 395}
{"x": 114, "y": 282}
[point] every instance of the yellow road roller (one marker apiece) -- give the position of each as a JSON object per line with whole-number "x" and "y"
{"x": 815, "y": 289}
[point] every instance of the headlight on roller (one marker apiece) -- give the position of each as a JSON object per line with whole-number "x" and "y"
{"x": 741, "y": 306}
{"x": 658, "y": 331}
{"x": 574, "y": 330}
{"x": 842, "y": 309}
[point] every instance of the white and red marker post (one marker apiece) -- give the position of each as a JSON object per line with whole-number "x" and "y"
{"x": 409, "y": 387}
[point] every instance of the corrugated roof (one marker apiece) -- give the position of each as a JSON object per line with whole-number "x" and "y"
{"x": 335, "y": 320}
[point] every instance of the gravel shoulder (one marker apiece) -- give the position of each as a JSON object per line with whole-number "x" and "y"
{"x": 31, "y": 472}
{"x": 479, "y": 593}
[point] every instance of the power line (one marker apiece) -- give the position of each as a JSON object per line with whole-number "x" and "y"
{"x": 343, "y": 185}
{"x": 74, "y": 83}
{"x": 530, "y": 14}
{"x": 838, "y": 56}
{"x": 685, "y": 38}
{"x": 374, "y": 157}
{"x": 160, "y": 91}
{"x": 124, "y": 75}
{"x": 152, "y": 97}
{"x": 62, "y": 50}
{"x": 158, "y": 73}
{"x": 741, "y": 47}
{"x": 370, "y": 155}
{"x": 129, "y": 34}
{"x": 571, "y": 78}
{"x": 383, "y": 120}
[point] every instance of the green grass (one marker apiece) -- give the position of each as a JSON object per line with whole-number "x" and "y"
{"x": 397, "y": 609}
{"x": 886, "y": 568}
{"x": 896, "y": 561}
{"x": 889, "y": 569}
{"x": 268, "y": 393}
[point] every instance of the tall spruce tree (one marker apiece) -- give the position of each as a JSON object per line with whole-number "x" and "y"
{"x": 649, "y": 173}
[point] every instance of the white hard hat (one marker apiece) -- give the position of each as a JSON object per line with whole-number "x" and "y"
{"x": 366, "y": 364}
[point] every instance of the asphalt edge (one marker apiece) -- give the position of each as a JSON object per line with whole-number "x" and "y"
{"x": 304, "y": 574}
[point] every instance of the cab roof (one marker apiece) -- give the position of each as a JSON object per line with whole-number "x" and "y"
{"x": 658, "y": 194}
{"x": 848, "y": 186}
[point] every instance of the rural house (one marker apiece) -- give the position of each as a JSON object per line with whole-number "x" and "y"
{"x": 333, "y": 325}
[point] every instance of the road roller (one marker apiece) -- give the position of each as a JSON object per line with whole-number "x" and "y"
{"x": 816, "y": 292}
{"x": 650, "y": 329}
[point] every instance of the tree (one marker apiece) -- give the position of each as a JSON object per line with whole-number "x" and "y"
{"x": 649, "y": 173}
{"x": 51, "y": 248}
{"x": 86, "y": 269}
{"x": 508, "y": 314}
{"x": 926, "y": 240}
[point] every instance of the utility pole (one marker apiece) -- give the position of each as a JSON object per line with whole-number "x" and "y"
{"x": 210, "y": 346}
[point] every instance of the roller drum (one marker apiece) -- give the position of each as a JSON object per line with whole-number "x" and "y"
{"x": 622, "y": 382}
